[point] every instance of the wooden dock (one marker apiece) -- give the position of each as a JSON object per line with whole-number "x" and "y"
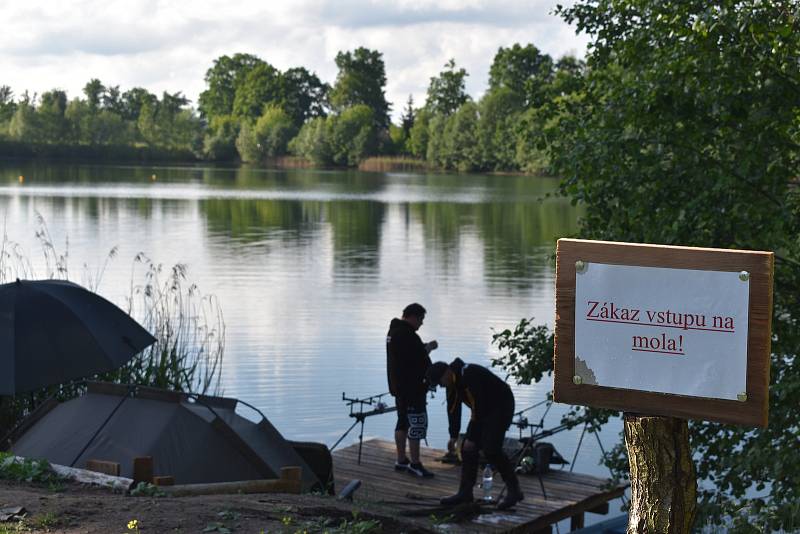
{"x": 569, "y": 495}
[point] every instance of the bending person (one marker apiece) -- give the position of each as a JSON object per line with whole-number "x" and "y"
{"x": 492, "y": 405}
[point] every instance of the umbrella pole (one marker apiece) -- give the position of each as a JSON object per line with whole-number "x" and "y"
{"x": 130, "y": 392}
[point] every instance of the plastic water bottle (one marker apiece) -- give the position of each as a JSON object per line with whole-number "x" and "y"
{"x": 486, "y": 484}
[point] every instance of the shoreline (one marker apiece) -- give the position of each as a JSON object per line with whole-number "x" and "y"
{"x": 154, "y": 157}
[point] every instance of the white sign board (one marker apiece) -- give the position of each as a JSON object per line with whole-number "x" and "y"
{"x": 677, "y": 331}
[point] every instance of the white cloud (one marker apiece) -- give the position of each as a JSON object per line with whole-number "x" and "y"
{"x": 168, "y": 45}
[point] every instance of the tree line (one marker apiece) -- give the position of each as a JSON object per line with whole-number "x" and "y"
{"x": 252, "y": 111}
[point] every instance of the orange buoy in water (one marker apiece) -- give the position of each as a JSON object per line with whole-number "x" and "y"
{"x": 21, "y": 178}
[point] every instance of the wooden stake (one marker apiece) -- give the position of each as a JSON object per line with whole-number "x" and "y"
{"x": 663, "y": 478}
{"x": 143, "y": 469}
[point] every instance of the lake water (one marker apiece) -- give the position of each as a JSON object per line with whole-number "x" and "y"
{"x": 310, "y": 266}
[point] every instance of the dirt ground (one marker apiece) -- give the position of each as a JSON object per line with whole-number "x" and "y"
{"x": 75, "y": 509}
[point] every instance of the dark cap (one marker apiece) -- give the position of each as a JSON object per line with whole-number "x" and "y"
{"x": 414, "y": 309}
{"x": 434, "y": 373}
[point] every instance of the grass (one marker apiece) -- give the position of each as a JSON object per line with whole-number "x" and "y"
{"x": 41, "y": 523}
{"x": 393, "y": 164}
{"x": 146, "y": 489}
{"x": 27, "y": 470}
{"x": 45, "y": 521}
{"x": 354, "y": 525}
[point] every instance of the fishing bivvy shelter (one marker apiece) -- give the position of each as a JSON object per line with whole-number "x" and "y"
{"x": 193, "y": 438}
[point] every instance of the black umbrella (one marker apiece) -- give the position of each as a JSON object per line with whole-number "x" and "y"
{"x": 53, "y": 331}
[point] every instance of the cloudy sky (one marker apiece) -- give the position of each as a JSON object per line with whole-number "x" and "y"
{"x": 168, "y": 45}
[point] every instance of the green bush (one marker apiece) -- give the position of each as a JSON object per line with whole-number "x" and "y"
{"x": 273, "y": 131}
{"x": 313, "y": 142}
{"x": 353, "y": 135}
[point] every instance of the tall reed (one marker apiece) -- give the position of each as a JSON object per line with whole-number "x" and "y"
{"x": 188, "y": 326}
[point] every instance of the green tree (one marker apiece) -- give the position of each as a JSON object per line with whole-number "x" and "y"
{"x": 80, "y": 121}
{"x": 133, "y": 100}
{"x": 24, "y": 124}
{"x": 52, "y": 123}
{"x": 524, "y": 70}
{"x": 568, "y": 77}
{"x": 222, "y": 80}
{"x": 418, "y": 135}
{"x": 166, "y": 123}
{"x": 688, "y": 132}
{"x": 361, "y": 80}
{"x": 313, "y": 142}
{"x": 111, "y": 129}
{"x": 219, "y": 143}
{"x": 407, "y": 120}
{"x": 112, "y": 100}
{"x": 353, "y": 135}
{"x": 397, "y": 140}
{"x": 259, "y": 87}
{"x": 461, "y": 150}
{"x": 435, "y": 150}
{"x": 496, "y": 136}
{"x": 269, "y": 136}
{"x": 7, "y": 106}
{"x": 446, "y": 92}
{"x": 94, "y": 93}
{"x": 533, "y": 147}
{"x": 247, "y": 144}
{"x": 302, "y": 95}
{"x": 274, "y": 129}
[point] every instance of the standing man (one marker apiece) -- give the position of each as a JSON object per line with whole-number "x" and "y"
{"x": 407, "y": 361}
{"x": 492, "y": 405}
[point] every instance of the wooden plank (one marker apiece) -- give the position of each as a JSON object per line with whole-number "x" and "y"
{"x": 243, "y": 486}
{"x": 578, "y": 507}
{"x": 556, "y": 482}
{"x": 569, "y": 494}
{"x": 556, "y": 489}
{"x": 601, "y": 509}
{"x": 23, "y": 426}
{"x": 143, "y": 469}
{"x": 448, "y": 482}
{"x": 752, "y": 412}
{"x": 376, "y": 487}
{"x": 103, "y": 466}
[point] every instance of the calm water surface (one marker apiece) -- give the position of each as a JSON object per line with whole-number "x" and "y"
{"x": 310, "y": 267}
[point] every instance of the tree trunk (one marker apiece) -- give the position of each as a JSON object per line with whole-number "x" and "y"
{"x": 663, "y": 479}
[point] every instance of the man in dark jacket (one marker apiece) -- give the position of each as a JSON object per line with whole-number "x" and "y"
{"x": 492, "y": 405}
{"x": 407, "y": 361}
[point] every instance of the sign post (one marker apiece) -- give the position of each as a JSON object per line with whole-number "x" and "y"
{"x": 672, "y": 332}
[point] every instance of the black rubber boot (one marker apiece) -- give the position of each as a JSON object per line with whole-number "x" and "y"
{"x": 469, "y": 474}
{"x": 513, "y": 491}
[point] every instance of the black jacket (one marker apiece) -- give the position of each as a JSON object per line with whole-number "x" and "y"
{"x": 406, "y": 361}
{"x": 483, "y": 391}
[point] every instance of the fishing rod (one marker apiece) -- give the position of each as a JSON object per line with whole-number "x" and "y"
{"x": 360, "y": 409}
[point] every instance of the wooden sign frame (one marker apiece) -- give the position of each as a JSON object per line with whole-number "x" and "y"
{"x": 751, "y": 412}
